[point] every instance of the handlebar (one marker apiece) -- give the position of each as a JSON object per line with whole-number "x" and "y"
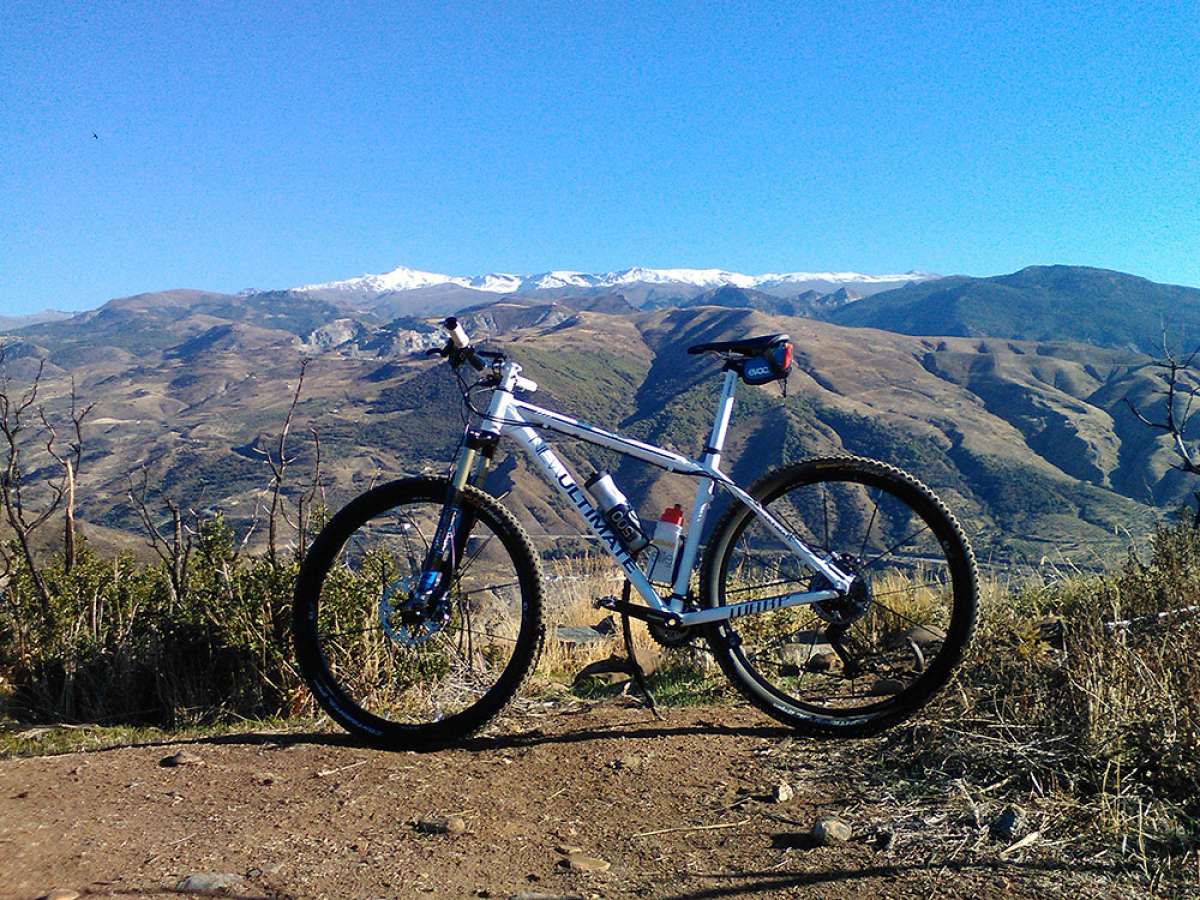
{"x": 457, "y": 334}
{"x": 458, "y": 348}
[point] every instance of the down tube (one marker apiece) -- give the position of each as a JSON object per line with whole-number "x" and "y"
{"x": 557, "y": 473}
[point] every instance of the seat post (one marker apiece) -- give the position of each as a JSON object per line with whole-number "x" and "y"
{"x": 716, "y": 439}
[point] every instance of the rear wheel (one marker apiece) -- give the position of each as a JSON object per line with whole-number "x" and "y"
{"x": 857, "y": 664}
{"x": 397, "y": 672}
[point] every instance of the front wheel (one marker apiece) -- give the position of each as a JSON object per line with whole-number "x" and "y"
{"x": 856, "y": 664}
{"x": 404, "y": 673}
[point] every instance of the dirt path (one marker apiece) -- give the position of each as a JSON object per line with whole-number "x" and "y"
{"x": 309, "y": 815}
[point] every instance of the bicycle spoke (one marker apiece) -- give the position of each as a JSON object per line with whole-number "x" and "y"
{"x": 874, "y": 512}
{"x": 924, "y": 527}
{"x": 825, "y": 505}
{"x": 462, "y": 569}
{"x": 904, "y": 590}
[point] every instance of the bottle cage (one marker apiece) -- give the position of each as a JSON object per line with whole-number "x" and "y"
{"x": 773, "y": 364}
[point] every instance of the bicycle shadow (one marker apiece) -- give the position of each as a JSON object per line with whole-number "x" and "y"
{"x": 763, "y": 882}
{"x": 517, "y": 739}
{"x": 531, "y": 737}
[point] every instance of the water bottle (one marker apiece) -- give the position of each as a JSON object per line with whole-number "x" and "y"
{"x": 667, "y": 533}
{"x": 617, "y": 512}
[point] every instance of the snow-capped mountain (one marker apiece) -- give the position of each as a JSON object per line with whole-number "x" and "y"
{"x": 405, "y": 279}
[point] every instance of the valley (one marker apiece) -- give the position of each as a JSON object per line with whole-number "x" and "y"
{"x": 1029, "y": 441}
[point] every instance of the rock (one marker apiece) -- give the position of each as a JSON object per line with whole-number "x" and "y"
{"x": 60, "y": 894}
{"x": 209, "y": 881}
{"x": 803, "y": 647}
{"x": 567, "y": 849}
{"x": 822, "y": 662}
{"x": 265, "y": 778}
{"x": 629, "y": 761}
{"x": 182, "y": 758}
{"x": 783, "y": 792}
{"x": 581, "y": 862}
{"x": 442, "y": 825}
{"x": 923, "y": 636}
{"x": 886, "y": 687}
{"x": 579, "y": 635}
{"x": 830, "y": 830}
{"x": 1008, "y": 824}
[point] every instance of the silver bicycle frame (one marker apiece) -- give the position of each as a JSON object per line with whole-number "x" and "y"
{"x": 507, "y": 415}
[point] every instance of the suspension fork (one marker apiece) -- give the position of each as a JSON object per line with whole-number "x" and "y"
{"x": 456, "y": 522}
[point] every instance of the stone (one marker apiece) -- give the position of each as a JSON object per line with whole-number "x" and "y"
{"x": 182, "y": 758}
{"x": 923, "y": 636}
{"x": 567, "y": 849}
{"x": 265, "y": 778}
{"x": 581, "y": 862}
{"x": 830, "y": 830}
{"x": 579, "y": 635}
{"x": 886, "y": 687}
{"x": 209, "y": 881}
{"x": 783, "y": 792}
{"x": 822, "y": 662}
{"x": 60, "y": 894}
{"x": 630, "y": 761}
{"x": 442, "y": 825}
{"x": 803, "y": 647}
{"x": 1008, "y": 824}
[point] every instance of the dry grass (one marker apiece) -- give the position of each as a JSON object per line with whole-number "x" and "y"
{"x": 572, "y": 587}
{"x": 1093, "y": 725}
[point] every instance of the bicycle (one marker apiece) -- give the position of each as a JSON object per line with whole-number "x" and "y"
{"x": 836, "y": 594}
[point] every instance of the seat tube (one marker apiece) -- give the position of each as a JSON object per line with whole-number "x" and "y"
{"x": 704, "y": 493}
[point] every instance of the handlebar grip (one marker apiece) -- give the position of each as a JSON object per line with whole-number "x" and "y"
{"x": 457, "y": 335}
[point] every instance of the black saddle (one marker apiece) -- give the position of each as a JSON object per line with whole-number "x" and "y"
{"x": 745, "y": 347}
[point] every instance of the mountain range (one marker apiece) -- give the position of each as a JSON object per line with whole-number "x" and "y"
{"x": 1024, "y": 430}
{"x": 780, "y": 284}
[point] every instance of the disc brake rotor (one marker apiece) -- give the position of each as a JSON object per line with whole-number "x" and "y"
{"x": 409, "y": 621}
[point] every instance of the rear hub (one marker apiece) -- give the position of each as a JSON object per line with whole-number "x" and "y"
{"x": 849, "y": 607}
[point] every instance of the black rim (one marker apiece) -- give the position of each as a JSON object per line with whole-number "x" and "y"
{"x": 903, "y": 547}
{"x": 460, "y": 672}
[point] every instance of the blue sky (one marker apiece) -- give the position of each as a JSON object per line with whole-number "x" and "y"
{"x": 248, "y": 145}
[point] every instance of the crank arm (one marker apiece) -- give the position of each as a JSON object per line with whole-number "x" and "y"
{"x": 638, "y": 611}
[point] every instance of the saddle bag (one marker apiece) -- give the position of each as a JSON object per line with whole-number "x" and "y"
{"x": 773, "y": 364}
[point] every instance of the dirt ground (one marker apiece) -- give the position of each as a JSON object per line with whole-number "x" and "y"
{"x": 684, "y": 807}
